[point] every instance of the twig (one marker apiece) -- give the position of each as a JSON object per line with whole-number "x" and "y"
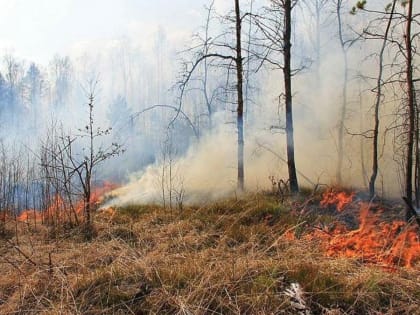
{"x": 13, "y": 264}
{"x": 284, "y": 161}
{"x": 50, "y": 265}
{"x": 22, "y": 253}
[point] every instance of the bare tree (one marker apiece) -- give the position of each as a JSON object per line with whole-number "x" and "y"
{"x": 378, "y": 100}
{"x": 62, "y": 72}
{"x": 315, "y": 8}
{"x": 60, "y": 194}
{"x": 275, "y": 25}
{"x": 232, "y": 54}
{"x": 411, "y": 111}
{"x": 35, "y": 86}
{"x": 72, "y": 159}
{"x": 343, "y": 111}
{"x": 402, "y": 68}
{"x": 240, "y": 109}
{"x": 368, "y": 33}
{"x": 13, "y": 75}
{"x": 92, "y": 157}
{"x": 205, "y": 82}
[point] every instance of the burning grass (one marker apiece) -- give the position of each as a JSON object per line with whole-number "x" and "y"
{"x": 390, "y": 243}
{"x": 247, "y": 256}
{"x": 60, "y": 210}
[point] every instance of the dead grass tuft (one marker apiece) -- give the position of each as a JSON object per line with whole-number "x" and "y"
{"x": 230, "y": 257}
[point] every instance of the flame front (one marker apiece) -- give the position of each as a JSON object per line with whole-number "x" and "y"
{"x": 374, "y": 241}
{"x": 394, "y": 243}
{"x": 340, "y": 199}
{"x": 59, "y": 210}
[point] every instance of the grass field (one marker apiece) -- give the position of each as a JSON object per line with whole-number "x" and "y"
{"x": 252, "y": 255}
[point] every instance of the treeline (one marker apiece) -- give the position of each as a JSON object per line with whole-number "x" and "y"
{"x": 26, "y": 90}
{"x": 369, "y": 46}
{"x": 332, "y": 82}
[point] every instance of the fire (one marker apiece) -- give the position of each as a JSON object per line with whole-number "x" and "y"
{"x": 340, "y": 199}
{"x": 29, "y": 215}
{"x": 99, "y": 193}
{"x": 61, "y": 210}
{"x": 55, "y": 211}
{"x": 375, "y": 241}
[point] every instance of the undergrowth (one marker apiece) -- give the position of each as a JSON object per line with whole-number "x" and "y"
{"x": 228, "y": 257}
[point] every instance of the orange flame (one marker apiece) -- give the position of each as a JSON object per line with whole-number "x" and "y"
{"x": 29, "y": 215}
{"x": 392, "y": 243}
{"x": 339, "y": 199}
{"x": 388, "y": 244}
{"x": 60, "y": 210}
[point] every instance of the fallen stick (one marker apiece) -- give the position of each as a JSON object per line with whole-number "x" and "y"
{"x": 22, "y": 253}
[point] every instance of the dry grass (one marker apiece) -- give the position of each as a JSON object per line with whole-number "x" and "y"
{"x": 224, "y": 258}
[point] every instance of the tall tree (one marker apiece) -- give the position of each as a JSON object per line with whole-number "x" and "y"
{"x": 3, "y": 95}
{"x": 411, "y": 110}
{"x": 315, "y": 8}
{"x": 210, "y": 81}
{"x": 35, "y": 86}
{"x": 399, "y": 41}
{"x": 84, "y": 163}
{"x": 120, "y": 116}
{"x": 230, "y": 57}
{"x": 287, "y": 73}
{"x": 343, "y": 109}
{"x": 13, "y": 75}
{"x": 240, "y": 109}
{"x": 369, "y": 33}
{"x": 208, "y": 100}
{"x": 62, "y": 71}
{"x": 275, "y": 25}
{"x": 378, "y": 99}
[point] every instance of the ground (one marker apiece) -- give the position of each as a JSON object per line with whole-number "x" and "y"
{"x": 250, "y": 255}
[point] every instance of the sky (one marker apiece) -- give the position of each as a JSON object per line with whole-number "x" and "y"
{"x": 36, "y": 30}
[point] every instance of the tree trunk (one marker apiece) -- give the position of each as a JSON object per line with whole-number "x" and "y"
{"x": 240, "y": 109}
{"x": 87, "y": 210}
{"x": 417, "y": 155}
{"x": 411, "y": 114}
{"x": 294, "y": 187}
{"x": 344, "y": 103}
{"x": 375, "y": 162}
{"x": 206, "y": 69}
{"x": 318, "y": 41}
{"x": 361, "y": 144}
{"x": 87, "y": 198}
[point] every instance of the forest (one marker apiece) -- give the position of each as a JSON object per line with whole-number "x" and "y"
{"x": 278, "y": 143}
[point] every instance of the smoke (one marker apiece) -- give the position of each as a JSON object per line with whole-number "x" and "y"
{"x": 172, "y": 166}
{"x": 207, "y": 172}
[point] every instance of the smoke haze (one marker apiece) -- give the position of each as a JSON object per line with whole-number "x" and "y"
{"x": 137, "y": 61}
